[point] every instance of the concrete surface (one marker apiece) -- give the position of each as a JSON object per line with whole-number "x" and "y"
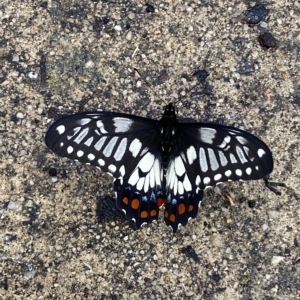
{"x": 55, "y": 55}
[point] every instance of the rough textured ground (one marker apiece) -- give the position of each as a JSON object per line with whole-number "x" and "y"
{"x": 55, "y": 55}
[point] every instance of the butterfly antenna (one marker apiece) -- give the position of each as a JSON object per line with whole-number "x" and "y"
{"x": 188, "y": 92}
{"x": 148, "y": 84}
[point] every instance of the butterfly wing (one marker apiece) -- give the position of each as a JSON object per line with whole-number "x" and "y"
{"x": 125, "y": 146}
{"x": 205, "y": 155}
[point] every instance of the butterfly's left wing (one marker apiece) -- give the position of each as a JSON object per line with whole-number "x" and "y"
{"x": 205, "y": 155}
{"x": 125, "y": 146}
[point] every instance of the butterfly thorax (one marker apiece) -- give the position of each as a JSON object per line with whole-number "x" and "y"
{"x": 168, "y": 124}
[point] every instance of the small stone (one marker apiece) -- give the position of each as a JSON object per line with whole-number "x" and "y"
{"x": 15, "y": 73}
{"x": 16, "y": 58}
{"x": 33, "y": 75}
{"x": 20, "y": 115}
{"x": 150, "y": 8}
{"x": 12, "y": 205}
{"x": 267, "y": 40}
{"x": 256, "y": 13}
{"x": 265, "y": 227}
{"x": 129, "y": 36}
{"x": 118, "y": 28}
{"x": 89, "y": 64}
{"x": 54, "y": 179}
{"x": 276, "y": 259}
{"x": 29, "y": 274}
{"x": 23, "y": 152}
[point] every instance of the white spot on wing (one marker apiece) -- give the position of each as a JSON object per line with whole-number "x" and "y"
{"x": 247, "y": 151}
{"x": 249, "y": 171}
{"x": 89, "y": 141}
{"x": 100, "y": 143}
{"x": 112, "y": 168}
{"x": 100, "y": 125}
{"x": 134, "y": 177}
{"x": 83, "y": 121}
{"x": 207, "y": 135}
{"x": 122, "y": 170}
{"x": 206, "y": 180}
{"x": 223, "y": 159}
{"x": 80, "y": 153}
{"x": 191, "y": 154}
{"x": 75, "y": 131}
{"x": 261, "y": 152}
{"x": 122, "y": 124}
{"x": 152, "y": 176}
{"x": 101, "y": 162}
{"x": 110, "y": 146}
{"x": 70, "y": 149}
{"x": 238, "y": 172}
{"x": 182, "y": 155}
{"x": 146, "y": 183}
{"x": 145, "y": 150}
{"x": 146, "y": 162}
{"x": 198, "y": 180}
{"x": 228, "y": 173}
{"x": 91, "y": 156}
{"x": 232, "y": 158}
{"x": 241, "y": 155}
{"x": 82, "y": 134}
{"x": 217, "y": 177}
{"x": 225, "y": 142}
{"x": 170, "y": 176}
{"x": 61, "y": 129}
{"x": 120, "y": 150}
{"x": 179, "y": 166}
{"x": 135, "y": 147}
{"x": 158, "y": 173}
{"x": 180, "y": 188}
{"x": 242, "y": 140}
{"x": 203, "y": 161}
{"x": 187, "y": 184}
{"x": 213, "y": 160}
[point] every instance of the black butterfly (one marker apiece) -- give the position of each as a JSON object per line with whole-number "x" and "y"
{"x": 160, "y": 162}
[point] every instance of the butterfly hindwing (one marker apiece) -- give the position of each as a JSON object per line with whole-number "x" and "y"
{"x": 138, "y": 205}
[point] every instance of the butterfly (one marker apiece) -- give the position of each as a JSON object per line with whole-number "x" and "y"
{"x": 162, "y": 162}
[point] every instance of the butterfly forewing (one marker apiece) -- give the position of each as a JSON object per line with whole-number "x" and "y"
{"x": 115, "y": 143}
{"x": 212, "y": 153}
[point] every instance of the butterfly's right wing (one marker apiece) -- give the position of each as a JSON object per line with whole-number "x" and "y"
{"x": 205, "y": 155}
{"x": 125, "y": 146}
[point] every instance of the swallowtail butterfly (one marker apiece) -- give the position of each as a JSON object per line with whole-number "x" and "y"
{"x": 159, "y": 162}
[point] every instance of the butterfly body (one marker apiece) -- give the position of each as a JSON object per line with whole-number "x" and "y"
{"x": 162, "y": 162}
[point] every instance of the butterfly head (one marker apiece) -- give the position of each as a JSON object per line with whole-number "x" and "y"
{"x": 170, "y": 112}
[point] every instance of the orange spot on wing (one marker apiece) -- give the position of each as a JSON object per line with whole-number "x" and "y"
{"x": 125, "y": 200}
{"x": 191, "y": 208}
{"x": 172, "y": 218}
{"x": 166, "y": 214}
{"x": 135, "y": 203}
{"x": 144, "y": 214}
{"x": 153, "y": 213}
{"x": 160, "y": 202}
{"x": 181, "y": 209}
